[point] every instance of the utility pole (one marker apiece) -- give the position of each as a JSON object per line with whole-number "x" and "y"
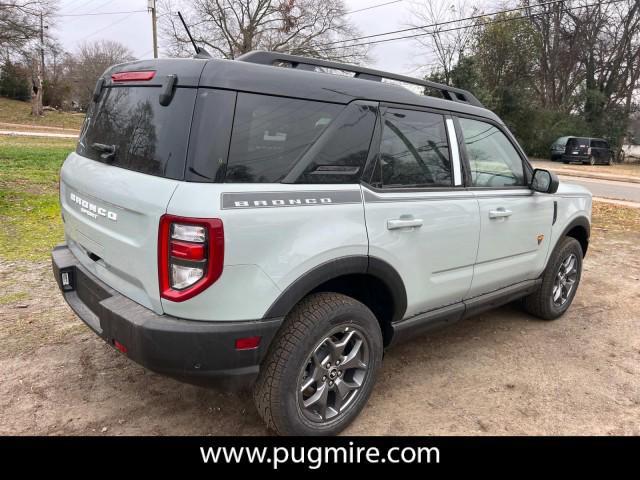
{"x": 42, "y": 45}
{"x": 151, "y": 5}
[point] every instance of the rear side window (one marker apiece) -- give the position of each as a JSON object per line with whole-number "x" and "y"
{"x": 128, "y": 128}
{"x": 414, "y": 151}
{"x": 270, "y": 134}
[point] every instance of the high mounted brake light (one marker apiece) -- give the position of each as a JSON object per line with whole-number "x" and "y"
{"x": 140, "y": 76}
{"x": 190, "y": 255}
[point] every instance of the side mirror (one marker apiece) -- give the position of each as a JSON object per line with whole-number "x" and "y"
{"x": 544, "y": 181}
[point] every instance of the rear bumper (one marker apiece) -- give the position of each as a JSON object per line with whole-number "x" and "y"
{"x": 184, "y": 349}
{"x": 575, "y": 158}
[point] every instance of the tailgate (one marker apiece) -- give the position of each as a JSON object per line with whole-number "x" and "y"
{"x": 111, "y": 224}
{"x": 130, "y": 158}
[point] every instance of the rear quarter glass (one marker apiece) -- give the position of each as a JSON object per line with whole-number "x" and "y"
{"x": 242, "y": 138}
{"x": 148, "y": 137}
{"x": 271, "y": 133}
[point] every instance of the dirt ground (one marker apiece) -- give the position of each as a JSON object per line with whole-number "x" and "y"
{"x": 503, "y": 372}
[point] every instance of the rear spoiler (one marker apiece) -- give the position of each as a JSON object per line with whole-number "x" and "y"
{"x": 168, "y": 74}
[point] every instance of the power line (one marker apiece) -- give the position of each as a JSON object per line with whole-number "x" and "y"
{"x": 437, "y": 24}
{"x": 112, "y": 24}
{"x": 407, "y": 37}
{"x": 90, "y": 11}
{"x": 97, "y": 13}
{"x": 372, "y": 7}
{"x": 77, "y": 5}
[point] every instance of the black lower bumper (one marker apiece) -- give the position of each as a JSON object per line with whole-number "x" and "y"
{"x": 575, "y": 158}
{"x": 184, "y": 349}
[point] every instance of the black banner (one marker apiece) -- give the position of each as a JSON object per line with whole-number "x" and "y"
{"x": 274, "y": 454}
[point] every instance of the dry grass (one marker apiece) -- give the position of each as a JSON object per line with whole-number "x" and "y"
{"x": 16, "y": 112}
{"x": 611, "y": 217}
{"x": 627, "y": 169}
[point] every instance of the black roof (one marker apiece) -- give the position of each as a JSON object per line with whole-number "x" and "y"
{"x": 255, "y": 73}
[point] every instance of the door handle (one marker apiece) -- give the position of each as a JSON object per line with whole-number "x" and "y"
{"x": 404, "y": 223}
{"x": 500, "y": 213}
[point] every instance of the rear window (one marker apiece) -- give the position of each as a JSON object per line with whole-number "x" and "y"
{"x": 128, "y": 128}
{"x": 271, "y": 133}
{"x": 577, "y": 143}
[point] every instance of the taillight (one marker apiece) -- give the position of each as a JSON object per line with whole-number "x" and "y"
{"x": 190, "y": 255}
{"x": 139, "y": 76}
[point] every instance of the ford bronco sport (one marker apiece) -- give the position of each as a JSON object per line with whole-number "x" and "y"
{"x": 263, "y": 220}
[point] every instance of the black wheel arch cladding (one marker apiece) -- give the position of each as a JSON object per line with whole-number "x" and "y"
{"x": 580, "y": 229}
{"x": 343, "y": 267}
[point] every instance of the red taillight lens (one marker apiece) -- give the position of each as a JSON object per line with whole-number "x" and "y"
{"x": 187, "y": 250}
{"x": 141, "y": 76}
{"x": 120, "y": 346}
{"x": 248, "y": 343}
{"x": 190, "y": 255}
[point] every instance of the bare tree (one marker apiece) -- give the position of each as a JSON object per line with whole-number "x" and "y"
{"x": 612, "y": 56}
{"x": 90, "y": 61}
{"x": 443, "y": 39}
{"x": 229, "y": 28}
{"x": 22, "y": 33}
{"x": 19, "y": 24}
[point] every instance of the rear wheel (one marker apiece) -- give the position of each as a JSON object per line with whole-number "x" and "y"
{"x": 321, "y": 368}
{"x": 592, "y": 160}
{"x": 559, "y": 282}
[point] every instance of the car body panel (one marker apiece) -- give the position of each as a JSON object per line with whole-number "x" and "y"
{"x": 113, "y": 214}
{"x": 514, "y": 248}
{"x": 276, "y": 233}
{"x": 435, "y": 260}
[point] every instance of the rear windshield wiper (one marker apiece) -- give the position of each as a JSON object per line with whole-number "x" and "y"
{"x": 108, "y": 151}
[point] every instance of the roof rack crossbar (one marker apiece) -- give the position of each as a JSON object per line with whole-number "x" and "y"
{"x": 305, "y": 63}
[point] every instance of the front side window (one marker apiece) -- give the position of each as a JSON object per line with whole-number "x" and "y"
{"x": 493, "y": 160}
{"x": 414, "y": 151}
{"x": 271, "y": 133}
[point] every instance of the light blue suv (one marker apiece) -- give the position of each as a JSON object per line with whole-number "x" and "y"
{"x": 243, "y": 222}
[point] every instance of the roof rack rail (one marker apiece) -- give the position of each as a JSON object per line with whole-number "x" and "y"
{"x": 306, "y": 63}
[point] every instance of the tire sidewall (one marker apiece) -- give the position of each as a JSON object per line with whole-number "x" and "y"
{"x": 354, "y": 315}
{"x": 568, "y": 247}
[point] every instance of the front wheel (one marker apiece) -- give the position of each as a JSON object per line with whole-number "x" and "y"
{"x": 559, "y": 282}
{"x": 592, "y": 160}
{"x": 320, "y": 370}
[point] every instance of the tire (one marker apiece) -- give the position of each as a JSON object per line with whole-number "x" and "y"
{"x": 541, "y": 303}
{"x": 592, "y": 160}
{"x": 610, "y": 161}
{"x": 278, "y": 392}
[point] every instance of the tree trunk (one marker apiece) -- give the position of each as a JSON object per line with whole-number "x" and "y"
{"x": 36, "y": 93}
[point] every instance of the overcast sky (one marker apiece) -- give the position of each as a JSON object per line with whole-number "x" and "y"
{"x": 134, "y": 29}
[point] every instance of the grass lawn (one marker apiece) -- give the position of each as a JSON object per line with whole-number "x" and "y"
{"x": 29, "y": 209}
{"x": 14, "y": 111}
